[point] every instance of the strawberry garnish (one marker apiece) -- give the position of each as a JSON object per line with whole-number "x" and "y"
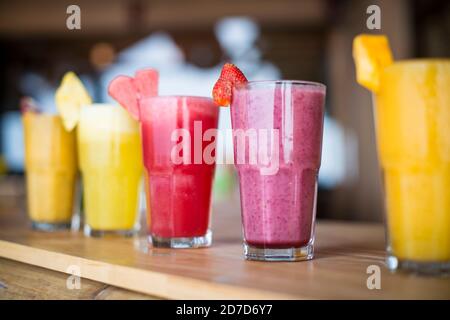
{"x": 230, "y": 76}
{"x": 28, "y": 104}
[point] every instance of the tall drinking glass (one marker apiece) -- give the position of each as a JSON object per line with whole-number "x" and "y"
{"x": 277, "y": 130}
{"x": 412, "y": 120}
{"x": 51, "y": 171}
{"x": 180, "y": 169}
{"x": 111, "y": 167}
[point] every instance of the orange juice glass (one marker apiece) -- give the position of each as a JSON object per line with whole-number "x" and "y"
{"x": 51, "y": 171}
{"x": 412, "y": 119}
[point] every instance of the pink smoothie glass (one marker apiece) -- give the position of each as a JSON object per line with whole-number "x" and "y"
{"x": 277, "y": 132}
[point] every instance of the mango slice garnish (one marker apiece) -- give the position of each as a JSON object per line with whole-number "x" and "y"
{"x": 371, "y": 54}
{"x": 70, "y": 97}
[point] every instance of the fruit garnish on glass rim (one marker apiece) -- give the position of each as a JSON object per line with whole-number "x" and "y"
{"x": 129, "y": 90}
{"x": 27, "y": 104}
{"x": 223, "y": 89}
{"x": 371, "y": 54}
{"x": 70, "y": 96}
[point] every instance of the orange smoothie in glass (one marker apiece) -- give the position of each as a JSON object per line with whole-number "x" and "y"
{"x": 51, "y": 170}
{"x": 412, "y": 121}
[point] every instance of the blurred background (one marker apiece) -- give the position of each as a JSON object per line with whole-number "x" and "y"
{"x": 188, "y": 41}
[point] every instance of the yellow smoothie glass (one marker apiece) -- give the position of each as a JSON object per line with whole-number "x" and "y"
{"x": 412, "y": 122}
{"x": 111, "y": 166}
{"x": 51, "y": 171}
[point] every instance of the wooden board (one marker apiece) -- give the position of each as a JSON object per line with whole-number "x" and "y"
{"x": 339, "y": 271}
{"x": 20, "y": 281}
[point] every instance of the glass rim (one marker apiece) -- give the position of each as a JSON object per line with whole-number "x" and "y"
{"x": 423, "y": 60}
{"x": 299, "y": 83}
{"x": 100, "y": 105}
{"x": 177, "y": 96}
{"x": 41, "y": 114}
{"x": 416, "y": 62}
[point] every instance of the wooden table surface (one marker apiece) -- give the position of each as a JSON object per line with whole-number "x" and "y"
{"x": 344, "y": 251}
{"x": 23, "y": 281}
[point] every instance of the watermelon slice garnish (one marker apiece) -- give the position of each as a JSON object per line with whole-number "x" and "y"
{"x": 146, "y": 81}
{"x": 128, "y": 91}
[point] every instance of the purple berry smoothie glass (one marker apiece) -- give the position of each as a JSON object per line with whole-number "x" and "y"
{"x": 277, "y": 133}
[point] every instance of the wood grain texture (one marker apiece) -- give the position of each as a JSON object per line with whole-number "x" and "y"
{"x": 21, "y": 281}
{"x": 343, "y": 253}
